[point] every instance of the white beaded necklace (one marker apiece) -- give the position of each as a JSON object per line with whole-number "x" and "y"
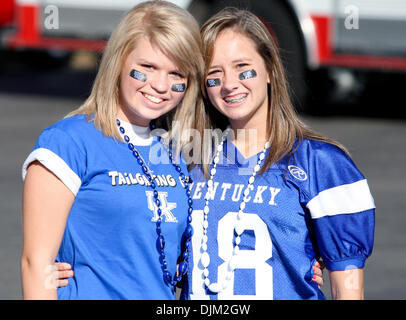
{"x": 238, "y": 227}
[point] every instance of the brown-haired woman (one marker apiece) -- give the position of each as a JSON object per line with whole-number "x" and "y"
{"x": 278, "y": 195}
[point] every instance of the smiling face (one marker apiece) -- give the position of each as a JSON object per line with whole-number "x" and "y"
{"x": 143, "y": 100}
{"x": 242, "y": 99}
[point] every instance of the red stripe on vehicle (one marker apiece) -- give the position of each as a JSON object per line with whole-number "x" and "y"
{"x": 322, "y": 25}
{"x": 6, "y": 12}
{"x": 324, "y": 34}
{"x": 60, "y": 44}
{"x": 361, "y": 61}
{"x": 27, "y": 20}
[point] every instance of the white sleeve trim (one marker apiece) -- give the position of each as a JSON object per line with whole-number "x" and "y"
{"x": 56, "y": 165}
{"x": 346, "y": 199}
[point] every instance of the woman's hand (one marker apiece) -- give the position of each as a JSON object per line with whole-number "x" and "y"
{"x": 63, "y": 273}
{"x": 318, "y": 273}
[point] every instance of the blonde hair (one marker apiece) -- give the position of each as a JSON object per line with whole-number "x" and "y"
{"x": 176, "y": 33}
{"x": 285, "y": 130}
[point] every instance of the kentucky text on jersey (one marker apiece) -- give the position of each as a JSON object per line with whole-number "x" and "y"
{"x": 234, "y": 192}
{"x": 311, "y": 205}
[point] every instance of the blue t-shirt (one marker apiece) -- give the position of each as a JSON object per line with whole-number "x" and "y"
{"x": 314, "y": 204}
{"x": 110, "y": 237}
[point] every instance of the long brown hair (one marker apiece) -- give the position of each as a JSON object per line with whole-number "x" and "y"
{"x": 284, "y": 130}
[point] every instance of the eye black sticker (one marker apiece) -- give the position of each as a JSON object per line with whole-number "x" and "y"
{"x": 138, "y": 75}
{"x": 213, "y": 82}
{"x": 181, "y": 87}
{"x": 247, "y": 74}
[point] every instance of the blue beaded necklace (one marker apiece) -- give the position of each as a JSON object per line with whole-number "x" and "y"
{"x": 183, "y": 265}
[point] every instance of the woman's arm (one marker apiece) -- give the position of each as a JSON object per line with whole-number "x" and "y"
{"x": 347, "y": 285}
{"x": 46, "y": 205}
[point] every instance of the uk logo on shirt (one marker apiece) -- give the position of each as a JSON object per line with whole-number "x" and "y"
{"x": 166, "y": 207}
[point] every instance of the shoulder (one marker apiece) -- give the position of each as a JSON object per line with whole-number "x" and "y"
{"x": 311, "y": 157}
{"x": 69, "y": 136}
{"x": 319, "y": 150}
{"x": 326, "y": 166}
{"x": 73, "y": 126}
{"x": 321, "y": 157}
{"x": 62, "y": 149}
{"x": 76, "y": 129}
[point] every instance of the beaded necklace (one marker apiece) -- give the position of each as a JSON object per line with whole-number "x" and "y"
{"x": 183, "y": 265}
{"x": 238, "y": 227}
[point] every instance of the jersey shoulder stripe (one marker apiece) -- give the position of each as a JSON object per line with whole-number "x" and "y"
{"x": 345, "y": 199}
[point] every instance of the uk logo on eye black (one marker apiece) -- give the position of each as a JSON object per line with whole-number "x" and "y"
{"x": 297, "y": 173}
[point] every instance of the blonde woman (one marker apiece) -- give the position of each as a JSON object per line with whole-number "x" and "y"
{"x": 278, "y": 195}
{"x": 101, "y": 192}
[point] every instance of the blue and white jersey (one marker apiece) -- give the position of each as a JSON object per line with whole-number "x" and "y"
{"x": 110, "y": 236}
{"x": 314, "y": 204}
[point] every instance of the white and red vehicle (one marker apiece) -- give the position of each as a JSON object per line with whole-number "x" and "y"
{"x": 312, "y": 34}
